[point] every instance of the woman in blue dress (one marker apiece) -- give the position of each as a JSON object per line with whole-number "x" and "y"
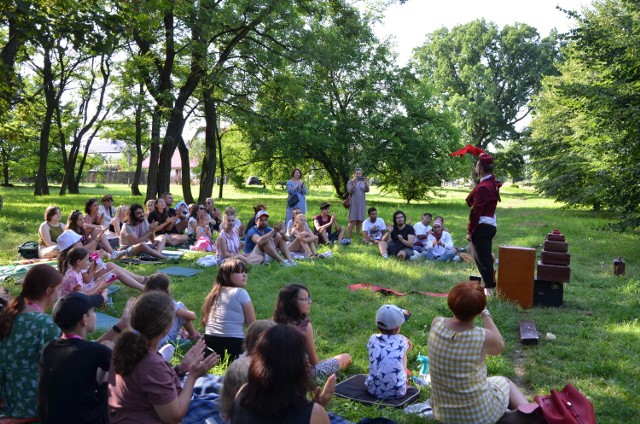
{"x": 296, "y": 187}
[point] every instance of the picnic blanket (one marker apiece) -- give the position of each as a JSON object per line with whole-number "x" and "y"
{"x": 104, "y": 322}
{"x": 180, "y": 271}
{"x": 388, "y": 291}
{"x": 173, "y": 254}
{"x": 354, "y": 389}
{"x": 18, "y": 271}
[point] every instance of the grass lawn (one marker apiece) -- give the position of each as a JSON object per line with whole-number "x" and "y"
{"x": 597, "y": 329}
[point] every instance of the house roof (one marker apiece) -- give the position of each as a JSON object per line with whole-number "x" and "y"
{"x": 175, "y": 161}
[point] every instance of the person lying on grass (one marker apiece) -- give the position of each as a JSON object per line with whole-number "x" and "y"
{"x": 293, "y": 307}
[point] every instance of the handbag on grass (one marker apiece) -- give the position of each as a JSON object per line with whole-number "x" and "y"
{"x": 347, "y": 202}
{"x": 567, "y": 406}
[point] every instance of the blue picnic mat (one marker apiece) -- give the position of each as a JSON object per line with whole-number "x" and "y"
{"x": 180, "y": 271}
{"x": 104, "y": 321}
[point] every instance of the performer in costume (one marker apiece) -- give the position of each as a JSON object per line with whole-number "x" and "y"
{"x": 482, "y": 228}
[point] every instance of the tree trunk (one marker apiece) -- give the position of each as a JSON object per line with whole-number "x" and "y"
{"x": 15, "y": 40}
{"x": 135, "y": 189}
{"x": 5, "y": 167}
{"x": 186, "y": 171}
{"x": 42, "y": 182}
{"x": 207, "y": 176}
{"x": 155, "y": 152}
{"x": 221, "y": 185}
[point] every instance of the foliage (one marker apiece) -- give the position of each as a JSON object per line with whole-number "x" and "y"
{"x": 486, "y": 75}
{"x": 585, "y": 148}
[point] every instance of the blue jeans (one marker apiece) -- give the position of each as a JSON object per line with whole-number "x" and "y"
{"x": 445, "y": 257}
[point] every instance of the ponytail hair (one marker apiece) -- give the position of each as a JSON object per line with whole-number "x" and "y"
{"x": 34, "y": 287}
{"x": 151, "y": 316}
{"x": 69, "y": 257}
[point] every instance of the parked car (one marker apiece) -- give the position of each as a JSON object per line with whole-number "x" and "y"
{"x": 253, "y": 180}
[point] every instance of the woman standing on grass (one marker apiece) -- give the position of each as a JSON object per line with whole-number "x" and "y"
{"x": 293, "y": 307}
{"x": 227, "y": 309}
{"x": 461, "y": 391}
{"x": 49, "y": 232}
{"x": 357, "y": 187}
{"x": 296, "y": 188}
{"x": 24, "y": 331}
{"x": 482, "y": 227}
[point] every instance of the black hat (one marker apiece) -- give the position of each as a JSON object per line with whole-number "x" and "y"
{"x": 69, "y": 310}
{"x": 324, "y": 205}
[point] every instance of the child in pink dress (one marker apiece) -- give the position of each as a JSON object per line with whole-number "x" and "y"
{"x": 79, "y": 270}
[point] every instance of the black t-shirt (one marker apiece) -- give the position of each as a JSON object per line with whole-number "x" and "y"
{"x": 172, "y": 212}
{"x": 406, "y": 230}
{"x": 155, "y": 216}
{"x": 67, "y": 390}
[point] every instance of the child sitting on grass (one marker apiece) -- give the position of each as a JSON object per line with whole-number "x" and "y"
{"x": 183, "y": 318}
{"x": 388, "y": 355}
{"x": 79, "y": 274}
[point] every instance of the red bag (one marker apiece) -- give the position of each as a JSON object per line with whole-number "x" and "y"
{"x": 567, "y": 406}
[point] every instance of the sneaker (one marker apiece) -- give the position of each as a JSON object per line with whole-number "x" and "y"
{"x": 167, "y": 352}
{"x": 345, "y": 241}
{"x": 326, "y": 254}
{"x": 456, "y": 258}
{"x": 385, "y": 256}
{"x": 287, "y": 263}
{"x": 415, "y": 256}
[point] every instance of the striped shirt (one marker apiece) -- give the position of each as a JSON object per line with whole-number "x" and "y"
{"x": 462, "y": 393}
{"x": 233, "y": 242}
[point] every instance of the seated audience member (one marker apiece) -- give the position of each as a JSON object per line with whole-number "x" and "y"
{"x": 203, "y": 235}
{"x": 97, "y": 222}
{"x": 388, "y": 372}
{"x": 150, "y": 206}
{"x": 278, "y": 383}
{"x": 97, "y": 238}
{"x": 49, "y": 232}
{"x": 183, "y": 317}
{"x": 182, "y": 211}
{"x": 461, "y": 392}
{"x": 266, "y": 241}
{"x": 399, "y": 241}
{"x": 439, "y": 245}
{"x": 139, "y": 235}
{"x": 176, "y": 214}
{"x": 165, "y": 224}
{"x": 238, "y": 225}
{"x": 325, "y": 223}
{"x": 373, "y": 228}
{"x": 293, "y": 307}
{"x": 70, "y": 390}
{"x": 252, "y": 221}
{"x": 106, "y": 208}
{"x": 117, "y": 222}
{"x": 192, "y": 222}
{"x": 228, "y": 244}
{"x": 227, "y": 308}
{"x": 215, "y": 217}
{"x": 143, "y": 388}
{"x": 96, "y": 269}
{"x": 24, "y": 331}
{"x": 289, "y": 226}
{"x": 237, "y": 373}
{"x": 304, "y": 241}
{"x": 422, "y": 229}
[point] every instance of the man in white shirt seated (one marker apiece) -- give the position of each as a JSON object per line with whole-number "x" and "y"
{"x": 439, "y": 244}
{"x": 373, "y": 228}
{"x": 423, "y": 229}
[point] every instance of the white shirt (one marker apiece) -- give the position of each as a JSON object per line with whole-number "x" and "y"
{"x": 439, "y": 250}
{"x": 420, "y": 230}
{"x": 374, "y": 229}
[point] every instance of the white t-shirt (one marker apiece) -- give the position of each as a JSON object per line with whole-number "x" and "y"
{"x": 421, "y": 229}
{"x": 226, "y": 319}
{"x": 374, "y": 229}
{"x": 439, "y": 250}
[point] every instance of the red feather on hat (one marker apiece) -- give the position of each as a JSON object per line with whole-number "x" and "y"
{"x": 473, "y": 150}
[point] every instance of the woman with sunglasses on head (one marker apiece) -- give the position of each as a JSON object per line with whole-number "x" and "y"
{"x": 293, "y": 307}
{"x": 96, "y": 240}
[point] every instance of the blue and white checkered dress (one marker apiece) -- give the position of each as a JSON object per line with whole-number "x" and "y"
{"x": 462, "y": 393}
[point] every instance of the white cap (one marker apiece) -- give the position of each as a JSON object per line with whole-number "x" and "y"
{"x": 67, "y": 239}
{"x": 390, "y": 317}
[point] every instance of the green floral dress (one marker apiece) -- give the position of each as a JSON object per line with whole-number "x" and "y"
{"x": 19, "y": 358}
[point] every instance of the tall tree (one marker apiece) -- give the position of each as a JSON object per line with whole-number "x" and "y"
{"x": 585, "y": 148}
{"x": 486, "y": 75}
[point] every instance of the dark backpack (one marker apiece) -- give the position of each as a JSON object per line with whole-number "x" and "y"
{"x": 29, "y": 250}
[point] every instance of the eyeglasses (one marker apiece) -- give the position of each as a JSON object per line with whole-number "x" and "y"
{"x": 208, "y": 203}
{"x": 108, "y": 200}
{"x": 305, "y": 299}
{"x": 201, "y": 208}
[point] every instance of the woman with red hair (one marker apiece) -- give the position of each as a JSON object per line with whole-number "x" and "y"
{"x": 461, "y": 390}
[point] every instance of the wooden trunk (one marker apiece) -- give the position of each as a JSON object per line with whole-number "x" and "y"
{"x": 516, "y": 270}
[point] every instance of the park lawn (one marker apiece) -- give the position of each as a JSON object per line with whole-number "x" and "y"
{"x": 597, "y": 329}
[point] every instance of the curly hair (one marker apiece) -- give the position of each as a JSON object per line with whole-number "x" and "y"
{"x": 34, "y": 287}
{"x": 287, "y": 310}
{"x": 223, "y": 279}
{"x": 151, "y": 316}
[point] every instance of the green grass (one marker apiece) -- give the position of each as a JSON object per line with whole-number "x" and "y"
{"x": 597, "y": 330}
